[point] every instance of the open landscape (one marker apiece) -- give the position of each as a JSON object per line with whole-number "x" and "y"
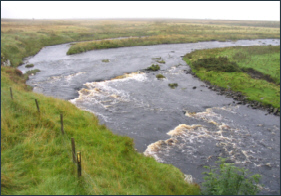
{"x": 129, "y": 97}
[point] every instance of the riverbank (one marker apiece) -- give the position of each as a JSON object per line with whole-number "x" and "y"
{"x": 251, "y": 74}
{"x": 193, "y": 36}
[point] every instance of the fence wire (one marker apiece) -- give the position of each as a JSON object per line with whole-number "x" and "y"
{"x": 66, "y": 142}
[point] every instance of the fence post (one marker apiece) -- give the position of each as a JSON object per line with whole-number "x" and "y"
{"x": 61, "y": 121}
{"x": 11, "y": 92}
{"x": 37, "y": 105}
{"x": 73, "y": 150}
{"x": 79, "y": 163}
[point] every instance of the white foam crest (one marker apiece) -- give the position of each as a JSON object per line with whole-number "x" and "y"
{"x": 106, "y": 94}
{"x": 138, "y": 76}
{"x": 212, "y": 117}
{"x": 182, "y": 128}
{"x": 152, "y": 149}
{"x": 230, "y": 138}
{"x": 103, "y": 94}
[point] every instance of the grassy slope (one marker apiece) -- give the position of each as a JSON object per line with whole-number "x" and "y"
{"x": 265, "y": 59}
{"x": 36, "y": 158}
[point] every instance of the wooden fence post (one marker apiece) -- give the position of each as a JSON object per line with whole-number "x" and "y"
{"x": 11, "y": 92}
{"x": 73, "y": 150}
{"x": 61, "y": 121}
{"x": 79, "y": 163}
{"x": 37, "y": 105}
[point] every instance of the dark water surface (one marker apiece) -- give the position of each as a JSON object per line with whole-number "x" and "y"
{"x": 188, "y": 127}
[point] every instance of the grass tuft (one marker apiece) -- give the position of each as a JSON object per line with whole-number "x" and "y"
{"x": 29, "y": 65}
{"x": 153, "y": 67}
{"x": 173, "y": 85}
{"x": 160, "y": 76}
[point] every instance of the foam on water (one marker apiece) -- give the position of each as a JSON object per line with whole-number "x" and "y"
{"x": 105, "y": 94}
{"x": 231, "y": 140}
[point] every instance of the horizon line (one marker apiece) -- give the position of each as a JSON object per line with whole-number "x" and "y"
{"x": 135, "y": 19}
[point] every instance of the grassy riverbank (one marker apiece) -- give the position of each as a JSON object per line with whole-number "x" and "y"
{"x": 165, "y": 32}
{"x": 36, "y": 157}
{"x": 232, "y": 68}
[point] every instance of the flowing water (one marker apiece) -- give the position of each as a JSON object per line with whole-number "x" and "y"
{"x": 189, "y": 126}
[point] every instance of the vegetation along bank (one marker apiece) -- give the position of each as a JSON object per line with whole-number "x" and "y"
{"x": 248, "y": 74}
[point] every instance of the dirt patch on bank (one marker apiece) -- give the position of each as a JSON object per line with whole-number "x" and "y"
{"x": 258, "y": 75}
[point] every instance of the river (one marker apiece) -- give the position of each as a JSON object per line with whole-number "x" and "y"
{"x": 189, "y": 126}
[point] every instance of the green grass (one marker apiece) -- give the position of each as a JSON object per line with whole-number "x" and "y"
{"x": 265, "y": 59}
{"x": 36, "y": 157}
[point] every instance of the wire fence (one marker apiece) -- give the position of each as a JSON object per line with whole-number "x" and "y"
{"x": 76, "y": 157}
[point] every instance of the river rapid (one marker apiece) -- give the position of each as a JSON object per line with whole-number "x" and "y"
{"x": 189, "y": 126}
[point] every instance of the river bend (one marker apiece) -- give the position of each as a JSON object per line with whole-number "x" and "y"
{"x": 189, "y": 126}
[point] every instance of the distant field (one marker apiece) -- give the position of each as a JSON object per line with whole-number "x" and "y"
{"x": 228, "y": 67}
{"x": 23, "y": 38}
{"x": 167, "y": 32}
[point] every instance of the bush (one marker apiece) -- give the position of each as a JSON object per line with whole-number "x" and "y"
{"x": 229, "y": 180}
{"x": 221, "y": 64}
{"x": 153, "y": 67}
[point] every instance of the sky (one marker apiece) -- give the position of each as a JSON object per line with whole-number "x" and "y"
{"x": 222, "y": 10}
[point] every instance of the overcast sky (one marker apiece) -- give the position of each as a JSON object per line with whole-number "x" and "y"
{"x": 229, "y": 10}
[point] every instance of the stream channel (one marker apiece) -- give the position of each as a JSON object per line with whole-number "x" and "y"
{"x": 188, "y": 127}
